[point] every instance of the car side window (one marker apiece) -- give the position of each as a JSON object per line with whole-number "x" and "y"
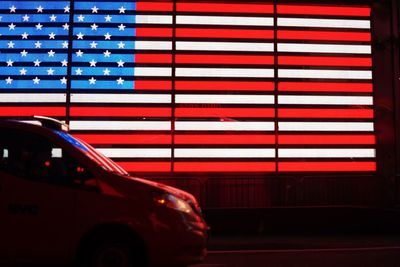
{"x": 32, "y": 157}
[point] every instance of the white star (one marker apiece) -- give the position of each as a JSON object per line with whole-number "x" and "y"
{"x": 120, "y": 81}
{"x": 81, "y": 17}
{"x": 63, "y": 80}
{"x": 39, "y": 26}
{"x": 25, "y": 18}
{"x": 92, "y": 63}
{"x": 65, "y": 44}
{"x": 93, "y": 44}
{"x": 51, "y": 53}
{"x": 122, "y": 9}
{"x": 78, "y": 71}
{"x": 10, "y": 63}
{"x": 66, "y": 26}
{"x": 24, "y": 53}
{"x": 121, "y": 27}
{"x": 11, "y": 44}
{"x": 53, "y": 17}
{"x": 9, "y": 80}
{"x": 107, "y": 36}
{"x": 36, "y": 80}
{"x": 108, "y": 18}
{"x": 94, "y": 9}
{"x": 52, "y": 35}
{"x": 38, "y": 44}
{"x": 13, "y": 9}
{"x": 106, "y": 72}
{"x": 92, "y": 80}
{"x": 12, "y": 26}
{"x": 79, "y": 53}
{"x": 64, "y": 63}
{"x": 107, "y": 53}
{"x": 22, "y": 71}
{"x": 39, "y": 9}
{"x": 80, "y": 36}
{"x": 24, "y": 35}
{"x": 66, "y": 9}
{"x": 121, "y": 45}
{"x": 37, "y": 63}
{"x": 50, "y": 71}
{"x": 94, "y": 27}
{"x": 120, "y": 63}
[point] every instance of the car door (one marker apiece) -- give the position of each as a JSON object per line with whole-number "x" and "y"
{"x": 38, "y": 203}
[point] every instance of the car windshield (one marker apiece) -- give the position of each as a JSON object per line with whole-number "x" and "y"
{"x": 104, "y": 162}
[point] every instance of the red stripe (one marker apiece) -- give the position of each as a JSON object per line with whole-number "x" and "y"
{"x": 153, "y": 32}
{"x": 154, "y": 6}
{"x": 326, "y": 166}
{"x": 325, "y": 87}
{"x": 129, "y": 139}
{"x": 325, "y": 113}
{"x": 324, "y": 35}
{"x": 224, "y": 166}
{"x": 153, "y": 58}
{"x": 324, "y": 10}
{"x": 224, "y": 139}
{"x": 224, "y": 33}
{"x": 153, "y": 85}
{"x": 225, "y": 8}
{"x": 30, "y": 111}
{"x": 120, "y": 112}
{"x": 326, "y": 139}
{"x": 146, "y": 166}
{"x": 224, "y": 85}
{"x": 325, "y": 61}
{"x": 224, "y": 59}
{"x": 225, "y": 112}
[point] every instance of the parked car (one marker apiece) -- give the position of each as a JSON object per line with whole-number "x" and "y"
{"x": 63, "y": 202}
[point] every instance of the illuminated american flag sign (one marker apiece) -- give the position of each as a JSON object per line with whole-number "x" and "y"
{"x": 187, "y": 86}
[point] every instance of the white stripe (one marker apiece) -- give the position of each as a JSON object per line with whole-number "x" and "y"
{"x": 219, "y": 20}
{"x": 224, "y": 153}
{"x": 325, "y": 153}
{"x": 225, "y": 99}
{"x": 221, "y": 72}
{"x": 325, "y": 74}
{"x": 144, "y": 71}
{"x": 325, "y": 48}
{"x": 325, "y": 100}
{"x": 325, "y": 23}
{"x": 225, "y": 46}
{"x": 153, "y": 45}
{"x": 32, "y": 98}
{"x": 223, "y": 126}
{"x": 153, "y": 19}
{"x": 135, "y": 152}
{"x": 326, "y": 126}
{"x": 120, "y": 98}
{"x": 120, "y": 125}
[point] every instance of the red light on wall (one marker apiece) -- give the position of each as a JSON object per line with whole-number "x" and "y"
{"x": 224, "y": 59}
{"x": 326, "y": 139}
{"x": 225, "y": 8}
{"x": 225, "y": 139}
{"x": 224, "y": 166}
{"x": 325, "y": 61}
{"x": 225, "y": 112}
{"x": 153, "y": 85}
{"x": 153, "y": 58}
{"x": 325, "y": 87}
{"x": 326, "y": 166}
{"x": 224, "y": 86}
{"x": 324, "y": 10}
{"x": 154, "y": 6}
{"x": 120, "y": 112}
{"x": 129, "y": 139}
{"x": 146, "y": 166}
{"x": 224, "y": 33}
{"x": 30, "y": 111}
{"x": 153, "y": 32}
{"x": 325, "y": 113}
